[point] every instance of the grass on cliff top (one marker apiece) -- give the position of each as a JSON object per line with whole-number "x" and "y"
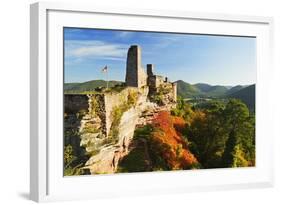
{"x": 98, "y": 90}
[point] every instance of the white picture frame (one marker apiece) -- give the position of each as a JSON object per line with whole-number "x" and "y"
{"x": 46, "y": 179}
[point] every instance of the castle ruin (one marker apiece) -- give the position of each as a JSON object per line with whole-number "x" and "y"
{"x": 103, "y": 122}
{"x": 137, "y": 77}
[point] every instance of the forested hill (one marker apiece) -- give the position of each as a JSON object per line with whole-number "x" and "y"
{"x": 88, "y": 86}
{"x": 187, "y": 90}
{"x": 202, "y": 90}
{"x": 247, "y": 95}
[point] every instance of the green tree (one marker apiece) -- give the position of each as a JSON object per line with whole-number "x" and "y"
{"x": 240, "y": 129}
{"x": 207, "y": 135}
{"x": 183, "y": 109}
{"x": 222, "y": 135}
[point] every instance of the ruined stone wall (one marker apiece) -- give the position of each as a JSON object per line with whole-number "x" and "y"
{"x": 154, "y": 82}
{"x": 151, "y": 82}
{"x": 97, "y": 106}
{"x": 142, "y": 77}
{"x": 113, "y": 100}
{"x": 96, "y": 111}
{"x": 149, "y": 69}
{"x": 159, "y": 81}
{"x": 163, "y": 93}
{"x": 75, "y": 103}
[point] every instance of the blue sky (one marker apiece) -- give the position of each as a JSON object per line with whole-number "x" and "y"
{"x": 216, "y": 60}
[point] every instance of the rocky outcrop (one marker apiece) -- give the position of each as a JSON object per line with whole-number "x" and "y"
{"x": 107, "y": 127}
{"x": 106, "y": 161}
{"x": 107, "y": 148}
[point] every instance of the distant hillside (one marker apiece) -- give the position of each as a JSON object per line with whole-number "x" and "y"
{"x": 187, "y": 90}
{"x": 247, "y": 95}
{"x": 244, "y": 93}
{"x": 203, "y": 87}
{"x": 235, "y": 89}
{"x": 217, "y": 91}
{"x": 88, "y": 86}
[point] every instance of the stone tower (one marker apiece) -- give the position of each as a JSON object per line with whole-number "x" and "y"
{"x": 149, "y": 69}
{"x": 135, "y": 75}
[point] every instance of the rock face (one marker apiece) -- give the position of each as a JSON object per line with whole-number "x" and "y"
{"x": 97, "y": 127}
{"x": 106, "y": 161}
{"x": 108, "y": 121}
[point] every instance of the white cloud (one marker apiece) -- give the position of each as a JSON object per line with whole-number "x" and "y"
{"x": 95, "y": 49}
{"x": 124, "y": 34}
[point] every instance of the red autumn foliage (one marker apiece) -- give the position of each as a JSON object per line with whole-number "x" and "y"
{"x": 169, "y": 142}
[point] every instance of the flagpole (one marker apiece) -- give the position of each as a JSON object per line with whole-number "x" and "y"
{"x": 107, "y": 79}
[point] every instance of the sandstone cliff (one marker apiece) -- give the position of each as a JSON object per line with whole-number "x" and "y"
{"x": 107, "y": 122}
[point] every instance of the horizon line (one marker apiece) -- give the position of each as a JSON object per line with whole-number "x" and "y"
{"x": 248, "y": 84}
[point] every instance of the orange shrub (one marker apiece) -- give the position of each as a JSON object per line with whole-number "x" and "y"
{"x": 179, "y": 123}
{"x": 169, "y": 142}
